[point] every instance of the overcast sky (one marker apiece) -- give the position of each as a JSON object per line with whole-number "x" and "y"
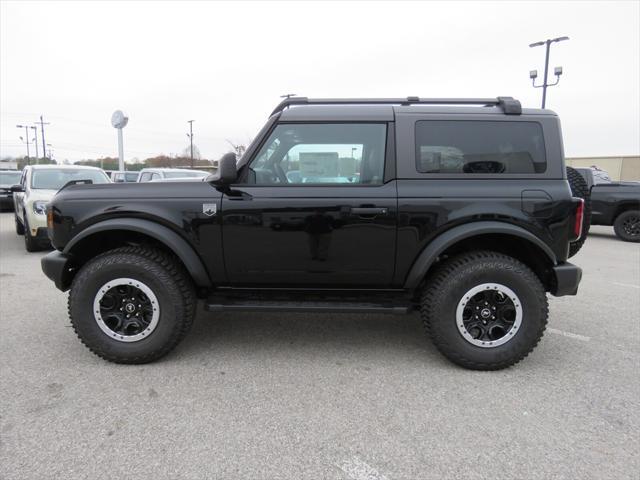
{"x": 225, "y": 65}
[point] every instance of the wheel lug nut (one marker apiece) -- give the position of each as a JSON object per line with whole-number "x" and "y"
{"x": 492, "y": 317}
{"x": 477, "y": 308}
{"x": 493, "y": 308}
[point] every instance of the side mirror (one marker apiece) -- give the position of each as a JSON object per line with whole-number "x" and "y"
{"x": 16, "y": 188}
{"x": 227, "y": 172}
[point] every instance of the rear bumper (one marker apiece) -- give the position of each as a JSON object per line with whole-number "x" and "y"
{"x": 567, "y": 277}
{"x": 57, "y": 267}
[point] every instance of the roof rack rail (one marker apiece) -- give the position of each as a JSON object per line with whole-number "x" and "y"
{"x": 509, "y": 105}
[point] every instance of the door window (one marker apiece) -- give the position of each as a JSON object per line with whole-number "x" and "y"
{"x": 342, "y": 154}
{"x": 145, "y": 177}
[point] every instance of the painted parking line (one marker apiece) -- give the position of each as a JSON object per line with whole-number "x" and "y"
{"x": 575, "y": 336}
{"x": 630, "y": 285}
{"x": 356, "y": 469}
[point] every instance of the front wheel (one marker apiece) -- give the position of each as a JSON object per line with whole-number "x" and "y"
{"x": 484, "y": 310}
{"x": 30, "y": 243}
{"x": 627, "y": 226}
{"x": 132, "y": 304}
{"x": 19, "y": 226}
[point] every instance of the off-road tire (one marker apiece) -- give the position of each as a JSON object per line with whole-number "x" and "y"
{"x": 580, "y": 189}
{"x": 168, "y": 280}
{"x": 622, "y": 231}
{"x": 30, "y": 243}
{"x": 19, "y": 225}
{"x": 456, "y": 276}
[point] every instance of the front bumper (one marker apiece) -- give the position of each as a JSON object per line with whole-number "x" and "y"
{"x": 566, "y": 278}
{"x": 57, "y": 267}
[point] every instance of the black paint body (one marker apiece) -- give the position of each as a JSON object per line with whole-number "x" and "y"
{"x": 608, "y": 200}
{"x": 343, "y": 237}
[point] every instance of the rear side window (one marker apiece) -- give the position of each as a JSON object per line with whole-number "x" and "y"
{"x": 469, "y": 146}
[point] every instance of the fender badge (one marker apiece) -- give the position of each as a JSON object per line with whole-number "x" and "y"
{"x": 209, "y": 209}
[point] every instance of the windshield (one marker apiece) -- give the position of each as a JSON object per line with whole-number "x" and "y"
{"x": 10, "y": 178}
{"x": 185, "y": 174}
{"x": 54, "y": 179}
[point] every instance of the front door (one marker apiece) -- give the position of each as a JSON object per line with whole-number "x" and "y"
{"x": 313, "y": 210}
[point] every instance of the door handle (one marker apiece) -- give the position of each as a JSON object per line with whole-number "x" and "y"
{"x": 369, "y": 211}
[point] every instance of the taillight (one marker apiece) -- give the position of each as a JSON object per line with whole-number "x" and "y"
{"x": 577, "y": 226}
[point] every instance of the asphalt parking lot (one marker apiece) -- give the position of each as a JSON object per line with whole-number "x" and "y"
{"x": 313, "y": 397}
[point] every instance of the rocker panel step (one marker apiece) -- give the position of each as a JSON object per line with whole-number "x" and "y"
{"x": 218, "y": 304}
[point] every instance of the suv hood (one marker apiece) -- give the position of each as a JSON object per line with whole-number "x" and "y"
{"x": 45, "y": 195}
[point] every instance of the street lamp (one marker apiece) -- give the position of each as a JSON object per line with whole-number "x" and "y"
{"x": 190, "y": 135}
{"x": 35, "y": 140}
{"x": 533, "y": 74}
{"x": 26, "y": 141}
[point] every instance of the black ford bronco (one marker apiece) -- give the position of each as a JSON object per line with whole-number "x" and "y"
{"x": 457, "y": 208}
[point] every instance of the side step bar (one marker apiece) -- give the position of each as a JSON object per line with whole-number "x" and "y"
{"x": 221, "y": 304}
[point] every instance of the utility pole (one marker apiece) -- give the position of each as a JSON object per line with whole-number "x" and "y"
{"x": 533, "y": 74}
{"x": 26, "y": 140}
{"x": 190, "y": 135}
{"x": 42, "y": 124}
{"x": 35, "y": 140}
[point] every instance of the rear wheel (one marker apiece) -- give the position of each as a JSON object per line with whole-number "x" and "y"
{"x": 580, "y": 189}
{"x": 132, "y": 304}
{"x": 484, "y": 310}
{"x": 627, "y": 226}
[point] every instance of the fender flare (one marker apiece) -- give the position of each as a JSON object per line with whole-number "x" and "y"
{"x": 438, "y": 245}
{"x": 168, "y": 237}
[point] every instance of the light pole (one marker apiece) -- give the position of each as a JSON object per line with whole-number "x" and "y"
{"x": 533, "y": 74}
{"x": 190, "y": 135}
{"x": 25, "y": 140}
{"x": 35, "y": 140}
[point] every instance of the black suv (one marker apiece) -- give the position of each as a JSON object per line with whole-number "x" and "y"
{"x": 458, "y": 208}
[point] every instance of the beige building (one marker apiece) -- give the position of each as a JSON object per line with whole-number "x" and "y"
{"x": 618, "y": 168}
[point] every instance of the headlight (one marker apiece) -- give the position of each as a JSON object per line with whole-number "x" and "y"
{"x": 40, "y": 207}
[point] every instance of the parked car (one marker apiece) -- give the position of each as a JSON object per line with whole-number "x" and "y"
{"x": 463, "y": 213}
{"x": 123, "y": 177}
{"x": 148, "y": 174}
{"x": 8, "y": 178}
{"x": 38, "y": 184}
{"x": 614, "y": 204}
